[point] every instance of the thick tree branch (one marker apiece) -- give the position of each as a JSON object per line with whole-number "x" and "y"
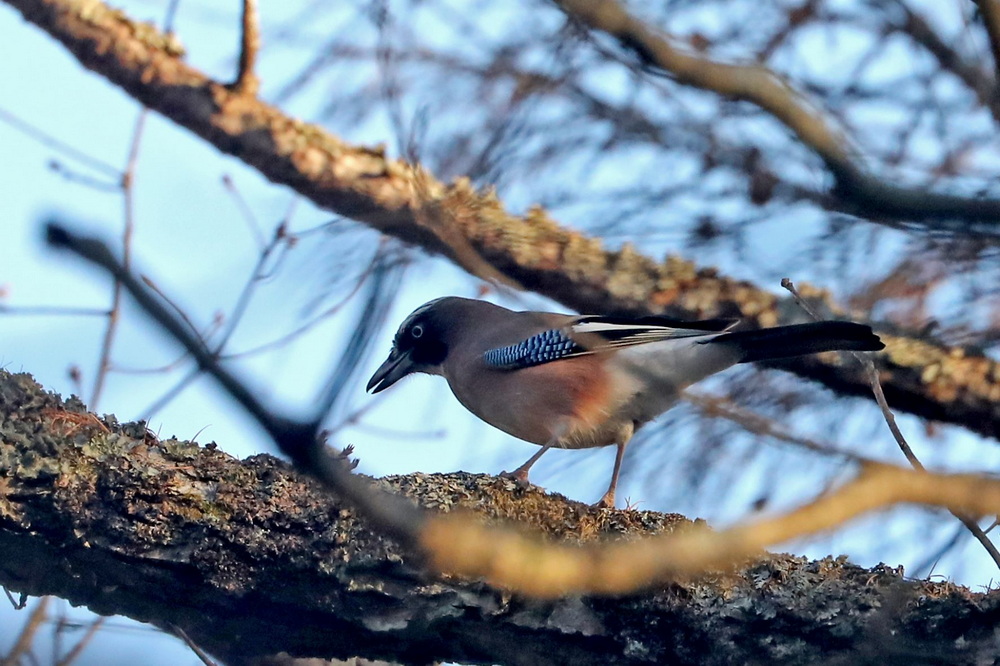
{"x": 922, "y": 377}
{"x": 249, "y": 559}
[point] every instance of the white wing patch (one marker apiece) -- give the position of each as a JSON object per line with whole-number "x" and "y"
{"x": 601, "y": 327}
{"x": 625, "y": 335}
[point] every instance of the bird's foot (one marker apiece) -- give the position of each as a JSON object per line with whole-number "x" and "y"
{"x": 606, "y": 502}
{"x": 519, "y": 475}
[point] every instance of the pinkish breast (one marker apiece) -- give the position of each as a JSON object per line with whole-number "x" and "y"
{"x": 570, "y": 399}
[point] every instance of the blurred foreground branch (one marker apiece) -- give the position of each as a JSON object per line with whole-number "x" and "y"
{"x": 920, "y": 376}
{"x": 250, "y": 559}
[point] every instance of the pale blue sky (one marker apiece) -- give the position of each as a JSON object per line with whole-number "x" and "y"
{"x": 193, "y": 241}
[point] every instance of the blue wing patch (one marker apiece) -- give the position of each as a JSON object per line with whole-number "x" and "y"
{"x": 602, "y": 334}
{"x": 546, "y": 346}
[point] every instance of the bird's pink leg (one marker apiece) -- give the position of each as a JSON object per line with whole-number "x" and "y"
{"x": 521, "y": 473}
{"x": 608, "y": 500}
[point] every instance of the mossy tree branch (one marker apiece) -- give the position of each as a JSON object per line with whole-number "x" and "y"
{"x": 250, "y": 559}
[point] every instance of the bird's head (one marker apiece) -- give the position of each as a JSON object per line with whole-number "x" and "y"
{"x": 420, "y": 345}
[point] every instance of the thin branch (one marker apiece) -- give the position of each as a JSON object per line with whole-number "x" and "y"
{"x": 381, "y": 286}
{"x": 52, "y": 310}
{"x": 310, "y": 324}
{"x": 85, "y": 180}
{"x": 990, "y": 10}
{"x": 246, "y": 82}
{"x": 169, "y": 395}
{"x": 872, "y": 198}
{"x": 22, "y": 646}
{"x": 865, "y": 360}
{"x": 168, "y": 19}
{"x": 81, "y": 644}
{"x": 931, "y": 561}
{"x": 58, "y": 145}
{"x": 971, "y": 73}
{"x": 178, "y": 310}
{"x": 128, "y": 192}
{"x": 246, "y": 212}
{"x": 721, "y": 407}
{"x": 890, "y": 419}
{"x": 20, "y": 603}
{"x": 201, "y": 654}
{"x": 279, "y": 239}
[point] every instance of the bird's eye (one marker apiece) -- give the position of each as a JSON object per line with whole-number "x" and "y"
{"x": 417, "y": 331}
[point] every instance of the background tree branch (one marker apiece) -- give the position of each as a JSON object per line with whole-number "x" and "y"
{"x": 920, "y": 376}
{"x": 990, "y": 11}
{"x": 871, "y": 197}
{"x": 250, "y": 559}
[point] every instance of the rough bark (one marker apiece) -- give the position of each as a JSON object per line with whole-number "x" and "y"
{"x": 921, "y": 376}
{"x": 249, "y": 559}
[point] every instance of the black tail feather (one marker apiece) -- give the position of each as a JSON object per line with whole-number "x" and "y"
{"x": 799, "y": 339}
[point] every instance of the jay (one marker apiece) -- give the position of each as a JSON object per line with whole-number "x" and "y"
{"x": 576, "y": 382}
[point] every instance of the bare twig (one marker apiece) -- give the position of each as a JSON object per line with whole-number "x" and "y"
{"x": 245, "y": 211}
{"x": 971, "y": 73}
{"x": 20, "y": 603}
{"x": 168, "y": 19}
{"x": 246, "y": 81}
{"x": 990, "y": 10}
{"x": 930, "y": 562}
{"x": 24, "y": 640}
{"x": 890, "y": 419}
{"x": 52, "y": 310}
{"x": 309, "y": 325}
{"x": 201, "y": 654}
{"x": 181, "y": 314}
{"x": 279, "y": 239}
{"x": 73, "y": 176}
{"x": 58, "y": 145}
{"x": 382, "y": 285}
{"x": 866, "y": 362}
{"x": 167, "y": 397}
{"x": 128, "y": 193}
{"x": 716, "y": 406}
{"x": 75, "y": 652}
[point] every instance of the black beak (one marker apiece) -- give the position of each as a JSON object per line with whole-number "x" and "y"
{"x": 391, "y": 371}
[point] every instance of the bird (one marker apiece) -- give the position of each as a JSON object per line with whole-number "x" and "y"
{"x": 582, "y": 381}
